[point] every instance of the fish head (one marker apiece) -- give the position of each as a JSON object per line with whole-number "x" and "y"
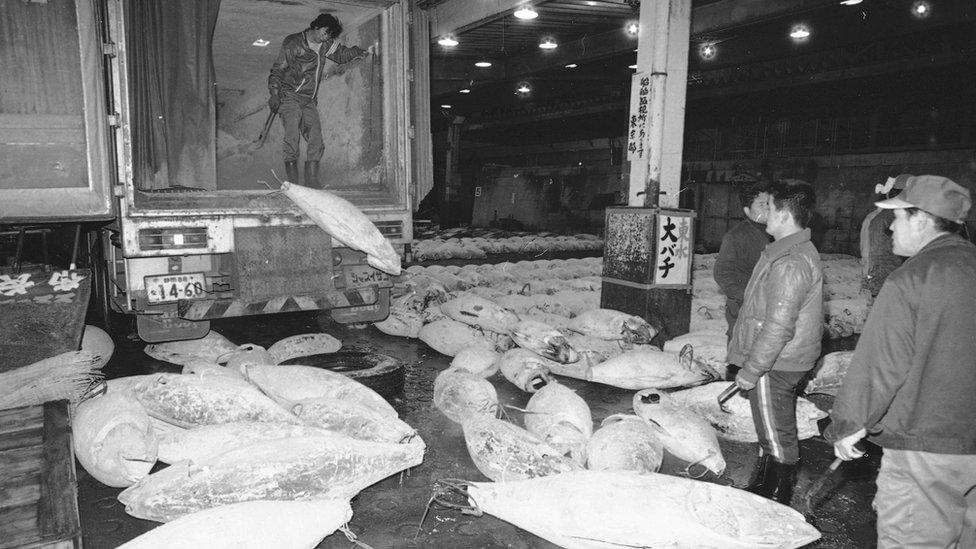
{"x": 646, "y": 399}
{"x": 637, "y": 331}
{"x": 558, "y": 349}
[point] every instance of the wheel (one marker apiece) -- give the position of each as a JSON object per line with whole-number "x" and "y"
{"x": 381, "y": 373}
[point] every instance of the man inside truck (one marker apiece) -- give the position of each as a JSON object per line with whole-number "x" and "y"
{"x": 294, "y": 84}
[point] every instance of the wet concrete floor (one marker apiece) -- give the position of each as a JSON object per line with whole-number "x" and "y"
{"x": 387, "y": 514}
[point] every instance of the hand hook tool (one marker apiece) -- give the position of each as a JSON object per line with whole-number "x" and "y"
{"x": 728, "y": 393}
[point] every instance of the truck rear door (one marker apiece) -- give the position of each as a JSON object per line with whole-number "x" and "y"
{"x": 54, "y": 144}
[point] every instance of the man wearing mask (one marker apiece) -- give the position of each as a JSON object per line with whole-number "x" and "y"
{"x": 776, "y": 339}
{"x": 740, "y": 250}
{"x": 911, "y": 384}
{"x": 294, "y": 84}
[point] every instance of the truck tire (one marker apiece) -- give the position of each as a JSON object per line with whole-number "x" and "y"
{"x": 381, "y": 373}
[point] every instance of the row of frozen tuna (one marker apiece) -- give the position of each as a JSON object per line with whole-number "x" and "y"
{"x": 479, "y": 247}
{"x": 557, "y": 465}
{"x": 247, "y": 430}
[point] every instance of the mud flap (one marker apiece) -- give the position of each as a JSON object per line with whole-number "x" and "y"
{"x": 360, "y": 314}
{"x": 164, "y": 324}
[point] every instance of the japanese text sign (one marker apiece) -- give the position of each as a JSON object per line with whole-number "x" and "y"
{"x": 673, "y": 250}
{"x": 640, "y": 95}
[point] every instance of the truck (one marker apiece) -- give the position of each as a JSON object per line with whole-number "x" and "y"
{"x": 148, "y": 121}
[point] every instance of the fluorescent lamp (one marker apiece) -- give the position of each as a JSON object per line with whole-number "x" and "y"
{"x": 448, "y": 41}
{"x": 548, "y": 44}
{"x": 483, "y": 64}
{"x": 526, "y": 12}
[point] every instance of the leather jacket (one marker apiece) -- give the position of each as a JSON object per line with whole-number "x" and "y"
{"x": 298, "y": 67}
{"x": 780, "y": 324}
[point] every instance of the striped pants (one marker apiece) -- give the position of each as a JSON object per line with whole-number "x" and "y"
{"x": 773, "y": 403}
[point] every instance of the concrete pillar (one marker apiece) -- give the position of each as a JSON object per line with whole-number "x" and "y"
{"x": 638, "y": 243}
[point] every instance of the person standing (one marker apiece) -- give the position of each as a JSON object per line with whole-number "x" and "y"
{"x": 911, "y": 384}
{"x": 877, "y": 259}
{"x": 741, "y": 248}
{"x": 294, "y": 84}
{"x": 776, "y": 339}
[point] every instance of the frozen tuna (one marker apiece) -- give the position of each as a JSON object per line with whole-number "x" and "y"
{"x": 194, "y": 400}
{"x": 503, "y": 451}
{"x": 611, "y": 324}
{"x": 477, "y": 360}
{"x": 202, "y": 443}
{"x": 303, "y": 345}
{"x": 830, "y": 373}
{"x": 449, "y": 337}
{"x": 459, "y": 394}
{"x": 650, "y": 369}
{"x": 95, "y": 340}
{"x": 353, "y": 419}
{"x": 345, "y": 223}
{"x": 250, "y": 525}
{"x": 525, "y": 369}
{"x": 710, "y": 348}
{"x": 208, "y": 348}
{"x": 290, "y": 383}
{"x": 738, "y": 424}
{"x": 114, "y": 439}
{"x": 298, "y": 468}
{"x": 544, "y": 340}
{"x": 245, "y": 355}
{"x": 684, "y": 435}
{"x": 478, "y": 311}
{"x": 603, "y": 509}
{"x": 401, "y": 323}
{"x": 625, "y": 443}
{"x": 559, "y": 416}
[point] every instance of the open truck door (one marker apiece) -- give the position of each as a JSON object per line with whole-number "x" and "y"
{"x": 200, "y": 232}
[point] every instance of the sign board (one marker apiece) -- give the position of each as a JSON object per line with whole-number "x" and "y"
{"x": 640, "y": 96}
{"x": 673, "y": 253}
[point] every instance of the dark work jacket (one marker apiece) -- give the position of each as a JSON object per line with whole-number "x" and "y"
{"x": 298, "y": 68}
{"x": 741, "y": 248}
{"x": 912, "y": 379}
{"x": 781, "y": 321}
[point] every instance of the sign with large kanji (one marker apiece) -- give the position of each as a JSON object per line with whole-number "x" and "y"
{"x": 673, "y": 249}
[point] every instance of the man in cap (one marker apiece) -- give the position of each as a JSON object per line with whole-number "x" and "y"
{"x": 911, "y": 386}
{"x": 294, "y": 84}
{"x": 776, "y": 339}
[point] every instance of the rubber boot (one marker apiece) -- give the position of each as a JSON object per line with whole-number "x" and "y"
{"x": 312, "y": 174}
{"x": 291, "y": 172}
{"x": 763, "y": 477}
{"x": 785, "y": 481}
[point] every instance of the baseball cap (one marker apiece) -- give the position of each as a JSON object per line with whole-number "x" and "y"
{"x": 934, "y": 194}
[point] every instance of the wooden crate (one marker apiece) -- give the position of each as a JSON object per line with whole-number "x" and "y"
{"x": 38, "y": 488}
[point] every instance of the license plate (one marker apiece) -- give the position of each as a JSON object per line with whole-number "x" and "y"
{"x": 170, "y": 288}
{"x": 363, "y": 275}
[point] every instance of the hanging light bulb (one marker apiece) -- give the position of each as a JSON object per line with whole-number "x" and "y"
{"x": 799, "y": 32}
{"x": 448, "y": 41}
{"x": 548, "y": 44}
{"x": 523, "y": 88}
{"x": 482, "y": 64}
{"x": 526, "y": 12}
{"x": 850, "y": 2}
{"x": 707, "y": 51}
{"x": 921, "y": 9}
{"x": 571, "y": 66}
{"x": 632, "y": 28}
{"x": 465, "y": 90}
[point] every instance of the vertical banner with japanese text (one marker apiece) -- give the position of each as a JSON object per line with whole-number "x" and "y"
{"x": 640, "y": 93}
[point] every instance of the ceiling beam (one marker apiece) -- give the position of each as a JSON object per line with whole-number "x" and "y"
{"x": 455, "y": 16}
{"x": 585, "y": 49}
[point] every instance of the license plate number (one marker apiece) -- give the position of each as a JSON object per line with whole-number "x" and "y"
{"x": 169, "y": 288}
{"x": 363, "y": 275}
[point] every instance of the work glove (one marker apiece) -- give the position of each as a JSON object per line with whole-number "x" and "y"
{"x": 274, "y": 100}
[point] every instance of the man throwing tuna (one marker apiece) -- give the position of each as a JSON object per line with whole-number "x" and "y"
{"x": 911, "y": 385}
{"x": 294, "y": 84}
{"x": 776, "y": 339}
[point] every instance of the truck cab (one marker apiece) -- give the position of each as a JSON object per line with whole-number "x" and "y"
{"x": 173, "y": 148}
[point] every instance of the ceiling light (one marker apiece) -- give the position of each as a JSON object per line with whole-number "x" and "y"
{"x": 483, "y": 64}
{"x": 465, "y": 90}
{"x": 632, "y": 28}
{"x": 634, "y": 66}
{"x": 448, "y": 41}
{"x": 799, "y": 32}
{"x": 260, "y": 42}
{"x": 590, "y": 3}
{"x": 921, "y": 9}
{"x": 850, "y": 2}
{"x": 526, "y": 12}
{"x": 548, "y": 44}
{"x": 523, "y": 88}
{"x": 571, "y": 66}
{"x": 707, "y": 51}
{"x": 446, "y": 106}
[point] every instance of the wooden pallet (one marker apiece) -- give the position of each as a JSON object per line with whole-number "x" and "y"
{"x": 38, "y": 486}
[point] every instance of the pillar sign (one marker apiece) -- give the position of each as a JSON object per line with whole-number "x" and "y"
{"x": 640, "y": 94}
{"x": 672, "y": 259}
